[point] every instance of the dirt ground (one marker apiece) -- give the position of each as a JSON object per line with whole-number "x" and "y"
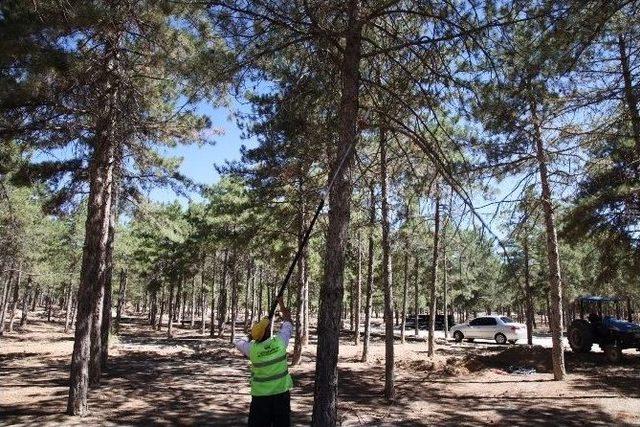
{"x": 189, "y": 380}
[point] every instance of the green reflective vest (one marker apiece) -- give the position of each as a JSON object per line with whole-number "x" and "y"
{"x": 269, "y": 370}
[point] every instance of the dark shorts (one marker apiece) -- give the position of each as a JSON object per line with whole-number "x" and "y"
{"x": 270, "y": 411}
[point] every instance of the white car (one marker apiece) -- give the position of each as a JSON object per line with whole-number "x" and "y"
{"x": 502, "y": 329}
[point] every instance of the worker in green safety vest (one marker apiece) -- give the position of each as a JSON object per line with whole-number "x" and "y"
{"x": 270, "y": 379}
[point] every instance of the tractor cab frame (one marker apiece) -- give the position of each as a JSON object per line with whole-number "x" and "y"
{"x": 597, "y": 305}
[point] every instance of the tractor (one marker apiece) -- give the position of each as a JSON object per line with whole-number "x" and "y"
{"x": 602, "y": 326}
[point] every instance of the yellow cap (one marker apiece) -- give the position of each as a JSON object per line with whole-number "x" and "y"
{"x": 259, "y": 329}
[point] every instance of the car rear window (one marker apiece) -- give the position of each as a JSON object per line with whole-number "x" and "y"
{"x": 507, "y": 320}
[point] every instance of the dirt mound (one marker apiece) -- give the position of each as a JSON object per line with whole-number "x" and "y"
{"x": 536, "y": 357}
{"x": 519, "y": 358}
{"x": 450, "y": 366}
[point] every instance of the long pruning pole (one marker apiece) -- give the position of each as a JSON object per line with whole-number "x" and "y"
{"x": 307, "y": 235}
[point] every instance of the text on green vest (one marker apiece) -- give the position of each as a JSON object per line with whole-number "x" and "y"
{"x": 269, "y": 370}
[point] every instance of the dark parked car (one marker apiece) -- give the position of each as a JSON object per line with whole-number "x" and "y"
{"x": 423, "y": 321}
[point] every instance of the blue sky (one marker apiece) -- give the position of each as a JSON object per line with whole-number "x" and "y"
{"x": 198, "y": 161}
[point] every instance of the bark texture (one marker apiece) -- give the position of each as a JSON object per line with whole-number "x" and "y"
{"x": 326, "y": 374}
{"x": 434, "y": 277}
{"x": 630, "y": 92}
{"x": 222, "y": 303}
{"x": 93, "y": 269}
{"x": 301, "y": 282}
{"x": 358, "y": 296}
{"x": 14, "y": 299}
{"x": 416, "y": 294}
{"x": 25, "y": 301}
{"x": 529, "y": 312}
{"x": 403, "y": 319}
{"x": 387, "y": 281}
{"x": 370, "y": 253}
{"x": 122, "y": 292}
{"x": 553, "y": 255}
{"x": 67, "y": 316}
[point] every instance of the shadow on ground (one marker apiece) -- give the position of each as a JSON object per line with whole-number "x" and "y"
{"x": 195, "y": 380}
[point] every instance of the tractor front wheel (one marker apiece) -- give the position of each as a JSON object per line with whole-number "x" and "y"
{"x": 580, "y": 336}
{"x": 613, "y": 353}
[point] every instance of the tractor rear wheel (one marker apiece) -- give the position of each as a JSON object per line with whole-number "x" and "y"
{"x": 580, "y": 336}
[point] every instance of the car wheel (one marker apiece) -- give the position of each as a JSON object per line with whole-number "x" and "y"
{"x": 458, "y": 336}
{"x": 513, "y": 341}
{"x": 500, "y": 338}
{"x": 613, "y": 353}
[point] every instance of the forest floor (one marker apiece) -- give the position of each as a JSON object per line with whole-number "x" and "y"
{"x": 190, "y": 380}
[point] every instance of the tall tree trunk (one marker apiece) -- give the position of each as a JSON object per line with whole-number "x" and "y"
{"x": 183, "y": 308}
{"x": 260, "y": 292}
{"x": 74, "y": 311}
{"x": 25, "y": 302}
{"x": 367, "y": 304}
{"x": 351, "y": 292}
{"x": 49, "y": 303}
{"x": 68, "y": 311}
{"x": 301, "y": 276}
{"x": 5, "y": 300}
{"x": 246, "y": 296}
{"x": 122, "y": 292}
{"x": 268, "y": 290}
{"x": 158, "y": 326}
{"x": 170, "y": 307}
{"x": 253, "y": 294}
{"x": 222, "y": 303}
{"x": 234, "y": 296}
{"x": 305, "y": 300}
{"x": 15, "y": 298}
{"x": 403, "y": 323}
{"x": 445, "y": 270}
{"x": 548, "y": 311}
{"x": 178, "y": 302}
{"x": 4, "y": 283}
{"x": 325, "y": 405}
{"x": 553, "y": 256}
{"x": 95, "y": 351}
{"x": 527, "y": 290}
{"x": 94, "y": 260}
{"x": 153, "y": 311}
{"x": 214, "y": 273}
{"x": 298, "y": 343}
{"x": 105, "y": 325}
{"x": 445, "y": 293}
{"x": 358, "y": 296}
{"x": 98, "y": 314}
{"x": 36, "y": 297}
{"x": 387, "y": 282}
{"x": 203, "y": 298}
{"x": 630, "y": 92}
{"x": 416, "y": 293}
{"x": 434, "y": 276}
{"x": 192, "y": 311}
